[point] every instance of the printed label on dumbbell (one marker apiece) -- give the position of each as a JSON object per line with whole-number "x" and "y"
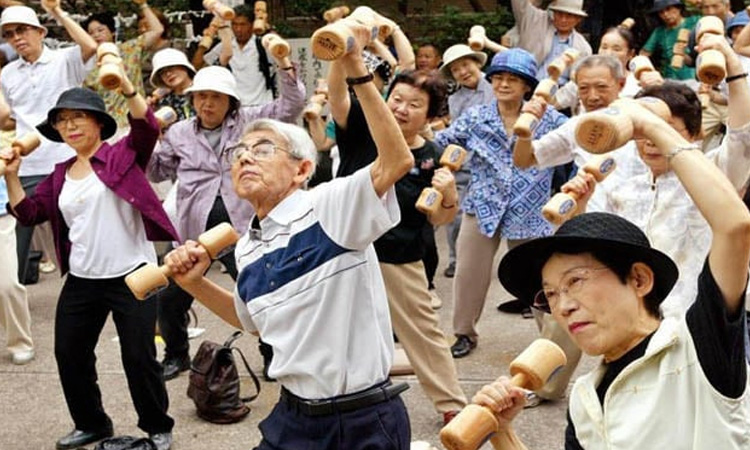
{"x": 566, "y": 206}
{"x": 607, "y": 165}
{"x": 431, "y": 198}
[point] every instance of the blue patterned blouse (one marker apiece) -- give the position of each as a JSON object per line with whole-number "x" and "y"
{"x": 502, "y": 197}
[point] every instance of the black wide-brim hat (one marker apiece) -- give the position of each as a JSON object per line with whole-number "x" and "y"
{"x": 78, "y": 99}
{"x": 520, "y": 271}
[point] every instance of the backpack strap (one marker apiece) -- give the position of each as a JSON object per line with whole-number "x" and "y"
{"x": 252, "y": 375}
{"x": 236, "y": 335}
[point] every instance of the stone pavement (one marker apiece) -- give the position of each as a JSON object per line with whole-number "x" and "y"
{"x": 34, "y": 414}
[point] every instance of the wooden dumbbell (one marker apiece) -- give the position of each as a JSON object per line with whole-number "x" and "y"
{"x": 530, "y": 370}
{"x": 336, "y": 13}
{"x": 22, "y": 146}
{"x": 276, "y": 45}
{"x": 219, "y": 9}
{"x": 527, "y": 122}
{"x": 260, "y": 24}
{"x": 610, "y": 128}
{"x": 337, "y": 39}
{"x": 108, "y": 56}
{"x": 562, "y": 205}
{"x": 628, "y": 23}
{"x": 314, "y": 107}
{"x": 166, "y": 116}
{"x": 560, "y": 64}
{"x": 260, "y": 7}
{"x": 678, "y": 53}
{"x": 51, "y": 4}
{"x": 639, "y": 65}
{"x": 478, "y": 40}
{"x": 149, "y": 278}
{"x": 711, "y": 66}
{"x": 430, "y": 199}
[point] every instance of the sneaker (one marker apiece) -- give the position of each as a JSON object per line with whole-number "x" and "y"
{"x": 450, "y": 271}
{"x": 435, "y": 301}
{"x": 163, "y": 441}
{"x": 23, "y": 357}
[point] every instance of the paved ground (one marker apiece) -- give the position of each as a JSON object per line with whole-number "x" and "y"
{"x": 34, "y": 414}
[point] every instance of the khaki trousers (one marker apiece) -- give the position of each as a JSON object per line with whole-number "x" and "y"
{"x": 549, "y": 329}
{"x": 14, "y": 305}
{"x": 475, "y": 254}
{"x": 416, "y": 325}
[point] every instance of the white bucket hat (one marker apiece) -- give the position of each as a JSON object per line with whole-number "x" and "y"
{"x": 21, "y": 14}
{"x": 168, "y": 57}
{"x": 458, "y": 51}
{"x": 217, "y": 79}
{"x": 574, "y": 7}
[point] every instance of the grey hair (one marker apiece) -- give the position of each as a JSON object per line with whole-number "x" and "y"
{"x": 613, "y": 64}
{"x": 300, "y": 143}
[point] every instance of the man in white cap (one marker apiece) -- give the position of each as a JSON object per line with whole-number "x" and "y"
{"x": 31, "y": 84}
{"x": 195, "y": 152}
{"x": 545, "y": 35}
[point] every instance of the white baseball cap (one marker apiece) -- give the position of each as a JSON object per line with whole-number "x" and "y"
{"x": 21, "y": 14}
{"x": 217, "y": 79}
{"x": 168, "y": 57}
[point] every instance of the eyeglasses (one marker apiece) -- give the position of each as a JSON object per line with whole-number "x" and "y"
{"x": 572, "y": 282}
{"x": 19, "y": 30}
{"x": 260, "y": 151}
{"x": 77, "y": 118}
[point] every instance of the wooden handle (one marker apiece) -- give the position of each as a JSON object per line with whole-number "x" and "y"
{"x": 678, "y": 61}
{"x": 683, "y": 35}
{"x": 336, "y": 13}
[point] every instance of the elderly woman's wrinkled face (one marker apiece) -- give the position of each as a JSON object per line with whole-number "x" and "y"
{"x": 409, "y": 106}
{"x": 211, "y": 107}
{"x": 603, "y": 315}
{"x": 466, "y": 71}
{"x": 79, "y": 129}
{"x": 175, "y": 77}
{"x": 509, "y": 87}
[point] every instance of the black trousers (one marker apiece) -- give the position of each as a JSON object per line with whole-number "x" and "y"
{"x": 24, "y": 233}
{"x": 82, "y": 310}
{"x": 174, "y": 303}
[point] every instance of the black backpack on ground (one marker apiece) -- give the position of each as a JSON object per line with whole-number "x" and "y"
{"x": 214, "y": 383}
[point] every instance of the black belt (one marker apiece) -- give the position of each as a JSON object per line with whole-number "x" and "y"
{"x": 344, "y": 403}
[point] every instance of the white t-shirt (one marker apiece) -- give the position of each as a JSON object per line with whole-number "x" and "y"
{"x": 310, "y": 284}
{"x": 251, "y": 84}
{"x": 31, "y": 90}
{"x": 107, "y": 235}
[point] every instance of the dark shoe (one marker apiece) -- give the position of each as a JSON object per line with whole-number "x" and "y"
{"x": 463, "y": 346}
{"x": 78, "y": 438}
{"x": 173, "y": 366}
{"x": 267, "y": 352}
{"x": 514, "y": 306}
{"x": 163, "y": 441}
{"x": 448, "y": 416}
{"x": 450, "y": 271}
{"x": 527, "y": 313}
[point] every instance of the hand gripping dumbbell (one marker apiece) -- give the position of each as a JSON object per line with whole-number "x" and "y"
{"x": 108, "y": 56}
{"x": 475, "y": 424}
{"x": 527, "y": 122}
{"x": 22, "y": 146}
{"x": 559, "y": 65}
{"x": 610, "y": 128}
{"x": 430, "y": 199}
{"x": 678, "y": 51}
{"x": 276, "y": 45}
{"x": 711, "y": 66}
{"x": 150, "y": 278}
{"x": 562, "y": 205}
{"x": 337, "y": 39}
{"x": 639, "y": 65}
{"x": 478, "y": 40}
{"x": 219, "y": 9}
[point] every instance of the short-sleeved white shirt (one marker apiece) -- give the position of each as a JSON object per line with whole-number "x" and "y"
{"x": 559, "y": 147}
{"x": 251, "y": 84}
{"x": 310, "y": 284}
{"x": 32, "y": 89}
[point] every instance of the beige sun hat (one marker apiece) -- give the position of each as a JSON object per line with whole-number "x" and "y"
{"x": 574, "y": 7}
{"x": 168, "y": 57}
{"x": 458, "y": 51}
{"x": 21, "y": 14}
{"x": 217, "y": 79}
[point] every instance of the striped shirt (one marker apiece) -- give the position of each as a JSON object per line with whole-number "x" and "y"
{"x": 310, "y": 284}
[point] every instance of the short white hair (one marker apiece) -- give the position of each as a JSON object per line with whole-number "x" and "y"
{"x": 300, "y": 143}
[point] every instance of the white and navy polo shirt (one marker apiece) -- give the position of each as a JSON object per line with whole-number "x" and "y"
{"x": 310, "y": 284}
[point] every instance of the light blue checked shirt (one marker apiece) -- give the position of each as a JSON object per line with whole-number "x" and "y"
{"x": 503, "y": 197}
